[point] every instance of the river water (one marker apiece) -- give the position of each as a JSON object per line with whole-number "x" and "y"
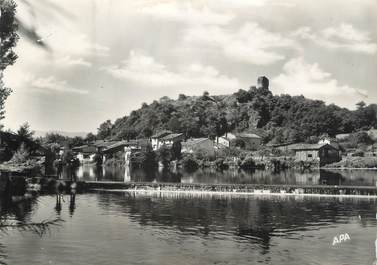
{"x": 162, "y": 228}
{"x": 128, "y": 228}
{"x": 315, "y": 177}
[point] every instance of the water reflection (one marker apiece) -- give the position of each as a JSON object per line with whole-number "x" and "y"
{"x": 184, "y": 229}
{"x": 314, "y": 177}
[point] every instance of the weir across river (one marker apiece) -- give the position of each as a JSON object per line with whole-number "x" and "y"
{"x": 328, "y": 190}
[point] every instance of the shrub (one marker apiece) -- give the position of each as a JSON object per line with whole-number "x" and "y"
{"x": 204, "y": 155}
{"x": 165, "y": 155}
{"x": 220, "y": 165}
{"x": 248, "y": 163}
{"x": 358, "y": 152}
{"x": 189, "y": 164}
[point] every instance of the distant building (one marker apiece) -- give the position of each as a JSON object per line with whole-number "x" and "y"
{"x": 249, "y": 141}
{"x": 156, "y": 139}
{"x": 124, "y": 149}
{"x": 321, "y": 153}
{"x": 172, "y": 138}
{"x": 342, "y": 136}
{"x": 85, "y": 153}
{"x": 226, "y": 139}
{"x": 195, "y": 144}
{"x": 101, "y": 145}
{"x": 325, "y": 140}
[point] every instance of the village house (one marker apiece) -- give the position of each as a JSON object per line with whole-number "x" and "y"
{"x": 85, "y": 153}
{"x": 319, "y": 153}
{"x": 249, "y": 141}
{"x": 119, "y": 149}
{"x": 194, "y": 144}
{"x": 172, "y": 138}
{"x": 101, "y": 145}
{"x": 156, "y": 139}
{"x": 124, "y": 149}
{"x": 165, "y": 138}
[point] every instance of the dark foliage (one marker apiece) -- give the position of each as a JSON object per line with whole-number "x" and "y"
{"x": 283, "y": 118}
{"x": 189, "y": 164}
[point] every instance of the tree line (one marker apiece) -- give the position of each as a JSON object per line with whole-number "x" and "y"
{"x": 277, "y": 118}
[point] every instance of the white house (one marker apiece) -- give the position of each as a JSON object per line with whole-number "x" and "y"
{"x": 156, "y": 139}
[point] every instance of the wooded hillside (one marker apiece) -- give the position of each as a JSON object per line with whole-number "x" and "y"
{"x": 279, "y": 118}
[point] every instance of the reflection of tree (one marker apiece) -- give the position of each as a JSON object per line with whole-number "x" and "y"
{"x": 39, "y": 228}
{"x": 21, "y": 212}
{"x": 253, "y": 220}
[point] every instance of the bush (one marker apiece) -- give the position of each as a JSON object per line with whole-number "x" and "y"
{"x": 147, "y": 159}
{"x": 164, "y": 155}
{"x": 358, "y": 153}
{"x": 204, "y": 155}
{"x": 220, "y": 165}
{"x": 355, "y": 162}
{"x": 248, "y": 163}
{"x": 189, "y": 164}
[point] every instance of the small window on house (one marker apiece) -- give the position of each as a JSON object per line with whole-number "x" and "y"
{"x": 310, "y": 155}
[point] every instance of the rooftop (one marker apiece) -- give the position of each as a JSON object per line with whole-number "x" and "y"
{"x": 161, "y": 134}
{"x": 194, "y": 141}
{"x": 171, "y": 136}
{"x": 248, "y": 135}
{"x": 310, "y": 146}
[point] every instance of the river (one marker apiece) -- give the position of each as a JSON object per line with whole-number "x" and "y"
{"x": 162, "y": 228}
{"x": 211, "y": 176}
{"x": 128, "y": 228}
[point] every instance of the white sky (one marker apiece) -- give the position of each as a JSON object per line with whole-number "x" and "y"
{"x": 109, "y": 56}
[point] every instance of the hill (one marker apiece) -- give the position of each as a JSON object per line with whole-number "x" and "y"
{"x": 281, "y": 118}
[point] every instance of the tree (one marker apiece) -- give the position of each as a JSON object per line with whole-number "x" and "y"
{"x": 8, "y": 33}
{"x": 104, "y": 130}
{"x": 148, "y": 158}
{"x": 127, "y": 134}
{"x": 55, "y": 138}
{"x": 24, "y": 132}
{"x": 90, "y": 137}
{"x": 176, "y": 150}
{"x": 4, "y": 94}
{"x": 147, "y": 132}
{"x": 360, "y": 105}
{"x": 76, "y": 141}
{"x": 8, "y": 40}
{"x": 182, "y": 97}
{"x": 165, "y": 155}
{"x": 242, "y": 96}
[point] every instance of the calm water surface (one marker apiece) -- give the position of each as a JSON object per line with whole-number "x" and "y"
{"x": 127, "y": 228}
{"x": 315, "y": 177}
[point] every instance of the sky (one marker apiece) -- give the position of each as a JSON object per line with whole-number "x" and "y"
{"x": 107, "y": 57}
